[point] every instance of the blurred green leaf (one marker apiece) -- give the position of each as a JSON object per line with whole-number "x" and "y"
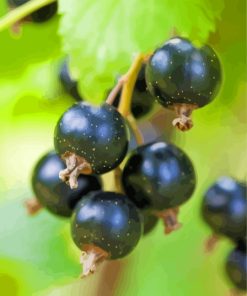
{"x": 102, "y": 36}
{"x": 36, "y": 43}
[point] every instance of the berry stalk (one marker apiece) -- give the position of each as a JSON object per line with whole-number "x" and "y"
{"x": 115, "y": 91}
{"x": 22, "y": 11}
{"x": 117, "y": 179}
{"x": 129, "y": 83}
{"x": 136, "y": 131}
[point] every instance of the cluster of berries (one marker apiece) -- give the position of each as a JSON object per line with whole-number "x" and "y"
{"x": 224, "y": 209}
{"x": 157, "y": 177}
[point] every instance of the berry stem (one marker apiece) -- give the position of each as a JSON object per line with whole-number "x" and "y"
{"x": 129, "y": 82}
{"x": 90, "y": 258}
{"x": 117, "y": 180}
{"x": 22, "y": 11}
{"x": 114, "y": 92}
{"x": 137, "y": 133}
{"x": 169, "y": 218}
{"x": 33, "y": 206}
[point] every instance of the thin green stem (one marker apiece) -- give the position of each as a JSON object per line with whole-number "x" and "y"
{"x": 22, "y": 11}
{"x": 129, "y": 83}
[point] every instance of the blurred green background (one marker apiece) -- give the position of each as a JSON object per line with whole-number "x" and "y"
{"x": 37, "y": 256}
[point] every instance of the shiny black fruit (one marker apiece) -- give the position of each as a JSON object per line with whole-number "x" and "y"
{"x": 150, "y": 221}
{"x": 159, "y": 177}
{"x": 236, "y": 268}
{"x": 224, "y": 208}
{"x": 69, "y": 84}
{"x": 91, "y": 139}
{"x": 52, "y": 193}
{"x": 105, "y": 225}
{"x": 183, "y": 77}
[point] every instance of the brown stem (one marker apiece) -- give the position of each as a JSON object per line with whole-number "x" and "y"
{"x": 115, "y": 91}
{"x": 33, "y": 206}
{"x": 184, "y": 121}
{"x": 90, "y": 258}
{"x": 75, "y": 165}
{"x": 169, "y": 218}
{"x": 211, "y": 242}
{"x": 136, "y": 131}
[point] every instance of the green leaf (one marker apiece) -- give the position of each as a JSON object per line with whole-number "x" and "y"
{"x": 102, "y": 36}
{"x": 36, "y": 43}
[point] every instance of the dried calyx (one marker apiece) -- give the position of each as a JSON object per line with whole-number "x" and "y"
{"x": 184, "y": 111}
{"x": 75, "y": 165}
{"x": 91, "y": 257}
{"x": 170, "y": 220}
{"x": 33, "y": 206}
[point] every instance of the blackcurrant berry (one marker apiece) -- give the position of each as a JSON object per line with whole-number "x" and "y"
{"x": 105, "y": 225}
{"x": 41, "y": 15}
{"x": 183, "y": 77}
{"x": 224, "y": 208}
{"x": 159, "y": 176}
{"x": 236, "y": 268}
{"x": 69, "y": 84}
{"x": 142, "y": 101}
{"x": 91, "y": 139}
{"x": 150, "y": 221}
{"x": 52, "y": 193}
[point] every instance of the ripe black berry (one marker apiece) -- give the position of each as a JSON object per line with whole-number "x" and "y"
{"x": 150, "y": 221}
{"x": 41, "y": 15}
{"x": 90, "y": 139}
{"x": 224, "y": 208}
{"x": 142, "y": 101}
{"x": 69, "y": 84}
{"x": 54, "y": 194}
{"x": 159, "y": 176}
{"x": 105, "y": 225}
{"x": 236, "y": 268}
{"x": 183, "y": 77}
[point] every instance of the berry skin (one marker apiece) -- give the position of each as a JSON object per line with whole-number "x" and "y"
{"x": 142, "y": 101}
{"x": 69, "y": 84}
{"x": 91, "y": 139}
{"x": 54, "y": 194}
{"x": 159, "y": 177}
{"x": 107, "y": 224}
{"x": 150, "y": 221}
{"x": 236, "y": 268}
{"x": 41, "y": 15}
{"x": 224, "y": 208}
{"x": 183, "y": 77}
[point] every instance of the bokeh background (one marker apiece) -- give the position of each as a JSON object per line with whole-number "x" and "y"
{"x": 37, "y": 256}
